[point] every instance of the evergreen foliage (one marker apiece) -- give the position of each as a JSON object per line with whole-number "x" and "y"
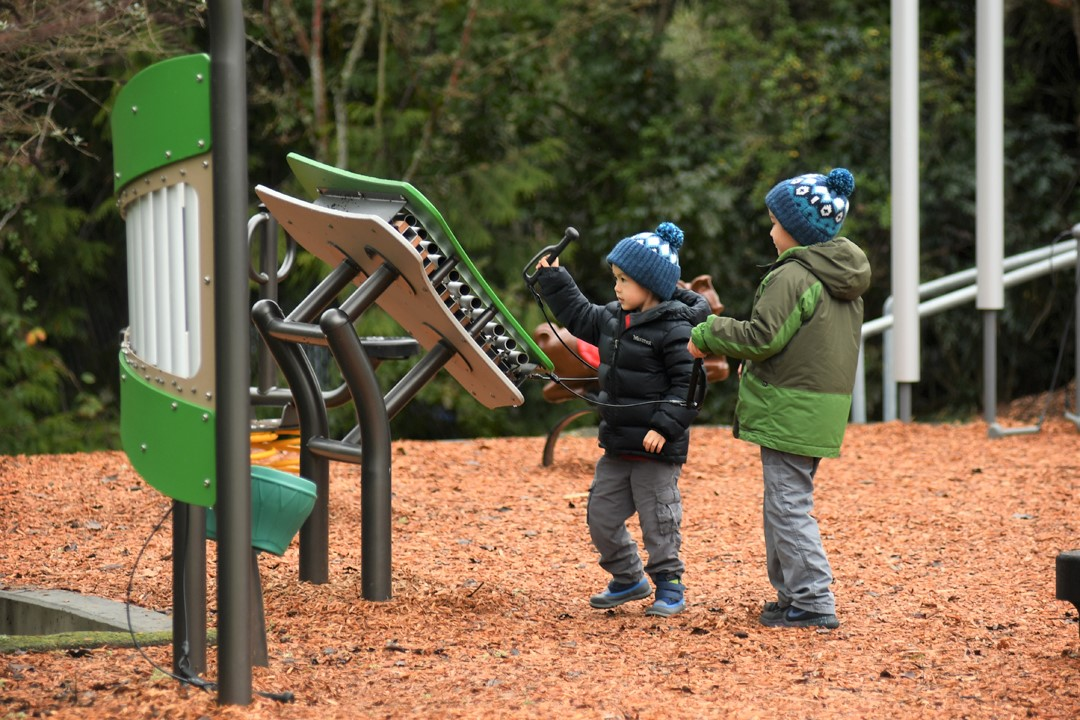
{"x": 518, "y": 118}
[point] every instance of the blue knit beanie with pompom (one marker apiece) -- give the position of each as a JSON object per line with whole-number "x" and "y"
{"x": 812, "y": 207}
{"x": 651, "y": 258}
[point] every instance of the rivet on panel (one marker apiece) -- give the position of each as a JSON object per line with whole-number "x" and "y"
{"x": 202, "y": 143}
{"x": 174, "y": 406}
{"x": 198, "y": 77}
{"x": 206, "y": 279}
{"x": 206, "y": 482}
{"x": 206, "y": 417}
{"x": 168, "y": 153}
{"x": 209, "y": 396}
{"x": 134, "y": 109}
{"x": 143, "y": 447}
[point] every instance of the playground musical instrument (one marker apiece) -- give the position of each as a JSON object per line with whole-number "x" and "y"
{"x": 425, "y": 279}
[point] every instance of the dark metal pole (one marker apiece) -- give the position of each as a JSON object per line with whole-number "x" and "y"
{"x": 989, "y": 366}
{"x": 294, "y": 364}
{"x": 325, "y": 292}
{"x": 268, "y": 290}
{"x": 228, "y": 127}
{"x": 189, "y": 588}
{"x": 375, "y": 510}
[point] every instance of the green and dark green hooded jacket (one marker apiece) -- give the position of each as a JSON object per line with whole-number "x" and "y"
{"x": 802, "y": 343}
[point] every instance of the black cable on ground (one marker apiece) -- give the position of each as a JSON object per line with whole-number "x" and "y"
{"x": 189, "y": 677}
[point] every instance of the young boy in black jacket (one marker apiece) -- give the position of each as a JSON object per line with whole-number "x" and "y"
{"x": 644, "y": 376}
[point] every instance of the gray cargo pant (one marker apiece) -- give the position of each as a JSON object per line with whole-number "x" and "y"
{"x": 795, "y": 556}
{"x": 619, "y": 489}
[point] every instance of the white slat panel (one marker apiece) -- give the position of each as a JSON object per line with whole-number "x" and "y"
{"x": 175, "y": 296}
{"x": 133, "y": 225}
{"x": 192, "y": 281}
{"x": 164, "y": 332}
{"x": 149, "y": 350}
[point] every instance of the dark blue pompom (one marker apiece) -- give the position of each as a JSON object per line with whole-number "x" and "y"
{"x": 671, "y": 234}
{"x": 841, "y": 182}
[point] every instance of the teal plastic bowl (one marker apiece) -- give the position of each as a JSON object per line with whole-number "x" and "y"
{"x": 280, "y": 503}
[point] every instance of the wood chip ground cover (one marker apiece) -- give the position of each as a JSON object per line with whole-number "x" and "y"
{"x": 943, "y": 542}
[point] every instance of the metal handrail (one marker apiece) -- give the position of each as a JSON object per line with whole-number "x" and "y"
{"x": 946, "y": 293}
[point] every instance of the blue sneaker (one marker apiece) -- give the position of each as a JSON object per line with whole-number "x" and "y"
{"x": 618, "y": 593}
{"x": 669, "y": 598}
{"x": 796, "y": 617}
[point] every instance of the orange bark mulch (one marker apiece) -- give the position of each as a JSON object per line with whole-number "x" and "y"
{"x": 943, "y": 542}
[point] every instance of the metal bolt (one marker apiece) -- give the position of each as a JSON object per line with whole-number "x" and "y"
{"x": 134, "y": 109}
{"x": 174, "y": 406}
{"x": 209, "y": 396}
{"x": 198, "y": 77}
{"x": 206, "y": 417}
{"x": 206, "y": 482}
{"x": 143, "y": 447}
{"x": 202, "y": 143}
{"x": 168, "y": 154}
{"x": 206, "y": 279}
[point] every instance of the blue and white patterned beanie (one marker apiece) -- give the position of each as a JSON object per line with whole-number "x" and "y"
{"x": 812, "y": 207}
{"x": 651, "y": 258}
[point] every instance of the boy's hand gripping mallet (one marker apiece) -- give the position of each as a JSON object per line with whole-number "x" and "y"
{"x": 551, "y": 251}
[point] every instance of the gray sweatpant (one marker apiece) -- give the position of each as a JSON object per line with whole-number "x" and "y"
{"x": 795, "y": 556}
{"x": 619, "y": 489}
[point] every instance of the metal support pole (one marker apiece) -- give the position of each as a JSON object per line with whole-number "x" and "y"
{"x": 989, "y": 191}
{"x": 228, "y": 104}
{"x": 989, "y": 365}
{"x": 189, "y": 589}
{"x": 295, "y": 366}
{"x": 268, "y": 290}
{"x": 374, "y": 424}
{"x": 904, "y": 348}
{"x": 319, "y": 298}
{"x": 903, "y": 396}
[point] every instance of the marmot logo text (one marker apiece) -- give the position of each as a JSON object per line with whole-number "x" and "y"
{"x": 638, "y": 338}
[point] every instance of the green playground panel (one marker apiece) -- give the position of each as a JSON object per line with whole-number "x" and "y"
{"x": 317, "y": 178}
{"x": 146, "y": 118}
{"x": 169, "y": 441}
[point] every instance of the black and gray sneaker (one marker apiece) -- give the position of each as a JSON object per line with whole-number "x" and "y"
{"x": 772, "y": 612}
{"x": 796, "y": 617}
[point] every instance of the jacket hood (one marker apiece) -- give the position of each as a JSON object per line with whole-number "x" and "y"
{"x": 684, "y": 304}
{"x": 840, "y": 264}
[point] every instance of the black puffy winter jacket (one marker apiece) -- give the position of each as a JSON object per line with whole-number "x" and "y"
{"x": 644, "y": 365}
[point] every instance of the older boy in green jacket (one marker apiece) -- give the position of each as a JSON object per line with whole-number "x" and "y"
{"x": 801, "y": 347}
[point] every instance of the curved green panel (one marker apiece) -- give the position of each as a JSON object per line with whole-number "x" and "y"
{"x": 161, "y": 116}
{"x": 317, "y": 177}
{"x": 169, "y": 441}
